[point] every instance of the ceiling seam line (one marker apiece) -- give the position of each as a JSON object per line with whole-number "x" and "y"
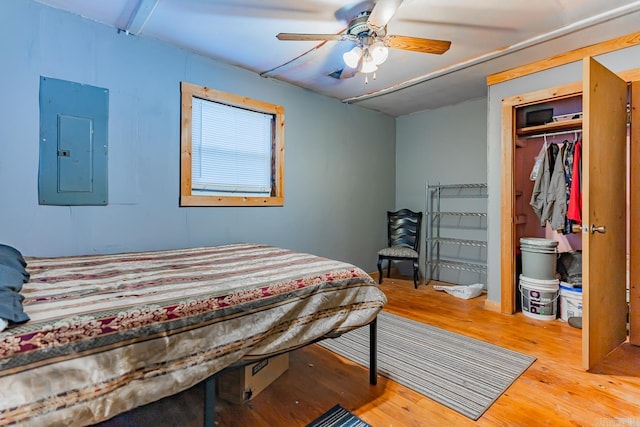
{"x": 140, "y": 16}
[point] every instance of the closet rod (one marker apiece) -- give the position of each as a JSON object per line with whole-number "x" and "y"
{"x": 564, "y": 132}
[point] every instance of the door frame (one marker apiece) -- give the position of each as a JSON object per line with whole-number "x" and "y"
{"x": 508, "y": 242}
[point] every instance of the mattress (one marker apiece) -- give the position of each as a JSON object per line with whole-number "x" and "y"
{"x": 112, "y": 332}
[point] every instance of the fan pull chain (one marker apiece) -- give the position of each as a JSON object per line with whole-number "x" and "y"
{"x": 366, "y": 77}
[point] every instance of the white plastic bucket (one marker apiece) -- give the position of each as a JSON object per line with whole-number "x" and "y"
{"x": 570, "y": 301}
{"x": 539, "y": 258}
{"x": 539, "y": 297}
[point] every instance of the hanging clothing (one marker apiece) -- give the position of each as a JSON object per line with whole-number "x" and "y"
{"x": 541, "y": 184}
{"x": 567, "y": 156}
{"x": 574, "y": 211}
{"x": 553, "y": 152}
{"x": 557, "y": 195}
{"x": 549, "y": 197}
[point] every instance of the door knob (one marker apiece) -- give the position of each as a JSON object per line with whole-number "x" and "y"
{"x": 598, "y": 229}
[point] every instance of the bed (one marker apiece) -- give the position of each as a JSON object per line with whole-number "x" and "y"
{"x": 108, "y": 333}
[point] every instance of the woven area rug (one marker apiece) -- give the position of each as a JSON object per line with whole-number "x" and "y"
{"x": 338, "y": 417}
{"x": 462, "y": 373}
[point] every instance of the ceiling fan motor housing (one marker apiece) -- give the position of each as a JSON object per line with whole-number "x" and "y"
{"x": 360, "y": 27}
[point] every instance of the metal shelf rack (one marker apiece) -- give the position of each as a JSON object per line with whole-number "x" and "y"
{"x": 464, "y": 221}
{"x": 464, "y": 242}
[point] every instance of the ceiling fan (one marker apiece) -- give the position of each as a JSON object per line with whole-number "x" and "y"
{"x": 368, "y": 30}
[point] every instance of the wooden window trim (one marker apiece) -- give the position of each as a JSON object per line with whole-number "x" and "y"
{"x": 188, "y": 92}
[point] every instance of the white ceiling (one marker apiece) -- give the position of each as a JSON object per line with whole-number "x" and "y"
{"x": 487, "y": 36}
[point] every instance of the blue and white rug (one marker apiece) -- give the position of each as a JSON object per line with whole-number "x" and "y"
{"x": 462, "y": 373}
{"x": 338, "y": 417}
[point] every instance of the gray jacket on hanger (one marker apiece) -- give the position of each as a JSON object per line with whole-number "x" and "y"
{"x": 549, "y": 200}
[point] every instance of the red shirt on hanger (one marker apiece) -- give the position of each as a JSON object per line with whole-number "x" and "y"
{"x": 574, "y": 212}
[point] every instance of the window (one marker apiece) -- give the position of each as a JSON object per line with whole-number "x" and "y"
{"x": 232, "y": 150}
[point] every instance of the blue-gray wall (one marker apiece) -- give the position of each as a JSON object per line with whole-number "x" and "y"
{"x": 447, "y": 145}
{"x": 339, "y": 159}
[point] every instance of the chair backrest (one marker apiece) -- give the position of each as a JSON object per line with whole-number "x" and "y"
{"x": 403, "y": 228}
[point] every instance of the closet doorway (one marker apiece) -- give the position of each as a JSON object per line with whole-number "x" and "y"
{"x": 604, "y": 231}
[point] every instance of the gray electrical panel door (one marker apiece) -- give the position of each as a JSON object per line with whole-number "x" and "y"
{"x": 73, "y": 143}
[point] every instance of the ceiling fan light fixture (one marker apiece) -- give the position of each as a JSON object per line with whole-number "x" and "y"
{"x": 368, "y": 63}
{"x": 352, "y": 57}
{"x": 379, "y": 52}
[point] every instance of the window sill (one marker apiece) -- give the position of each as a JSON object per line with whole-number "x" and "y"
{"x": 187, "y": 201}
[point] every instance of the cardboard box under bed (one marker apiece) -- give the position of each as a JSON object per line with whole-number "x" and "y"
{"x": 244, "y": 383}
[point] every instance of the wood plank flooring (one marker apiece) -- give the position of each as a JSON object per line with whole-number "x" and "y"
{"x": 554, "y": 391}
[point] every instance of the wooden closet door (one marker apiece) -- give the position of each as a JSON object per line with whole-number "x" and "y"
{"x": 603, "y": 205}
{"x": 634, "y": 220}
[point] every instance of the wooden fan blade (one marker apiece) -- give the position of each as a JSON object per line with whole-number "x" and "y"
{"x": 309, "y": 37}
{"x": 382, "y": 13}
{"x": 417, "y": 44}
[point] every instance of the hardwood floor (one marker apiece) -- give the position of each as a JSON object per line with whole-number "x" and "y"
{"x": 554, "y": 391}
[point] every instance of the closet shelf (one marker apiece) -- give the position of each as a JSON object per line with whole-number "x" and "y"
{"x": 457, "y": 265}
{"x": 568, "y": 125}
{"x": 463, "y": 242}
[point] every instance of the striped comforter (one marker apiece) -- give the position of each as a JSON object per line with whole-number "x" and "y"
{"x": 112, "y": 332}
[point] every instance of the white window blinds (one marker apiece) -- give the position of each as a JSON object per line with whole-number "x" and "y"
{"x": 231, "y": 150}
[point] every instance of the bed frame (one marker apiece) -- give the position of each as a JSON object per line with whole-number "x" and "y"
{"x": 104, "y": 327}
